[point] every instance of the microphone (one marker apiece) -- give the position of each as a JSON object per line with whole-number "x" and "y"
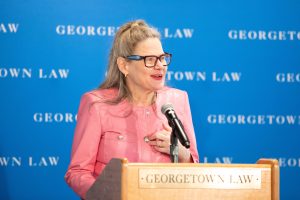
{"x": 168, "y": 110}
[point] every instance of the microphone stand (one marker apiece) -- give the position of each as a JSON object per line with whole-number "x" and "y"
{"x": 174, "y": 149}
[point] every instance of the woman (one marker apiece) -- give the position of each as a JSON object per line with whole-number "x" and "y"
{"x": 122, "y": 118}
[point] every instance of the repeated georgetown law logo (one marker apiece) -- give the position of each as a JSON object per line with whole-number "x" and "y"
{"x": 40, "y": 73}
{"x": 241, "y": 119}
{"x": 288, "y": 77}
{"x": 177, "y": 33}
{"x": 290, "y": 162}
{"x": 223, "y": 159}
{"x": 31, "y": 161}
{"x": 6, "y": 28}
{"x": 235, "y": 34}
{"x": 49, "y": 117}
{"x": 203, "y": 76}
{"x": 87, "y": 30}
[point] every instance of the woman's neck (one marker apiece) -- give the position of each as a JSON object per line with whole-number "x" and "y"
{"x": 143, "y": 99}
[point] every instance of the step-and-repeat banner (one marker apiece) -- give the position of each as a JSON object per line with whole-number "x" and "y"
{"x": 239, "y": 61}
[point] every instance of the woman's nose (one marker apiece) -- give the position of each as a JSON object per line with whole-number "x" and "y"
{"x": 159, "y": 65}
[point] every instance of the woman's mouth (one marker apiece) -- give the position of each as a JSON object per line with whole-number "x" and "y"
{"x": 157, "y": 76}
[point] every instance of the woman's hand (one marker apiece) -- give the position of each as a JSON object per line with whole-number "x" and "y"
{"x": 160, "y": 141}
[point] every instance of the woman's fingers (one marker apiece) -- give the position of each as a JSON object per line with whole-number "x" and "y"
{"x": 167, "y": 127}
{"x": 161, "y": 139}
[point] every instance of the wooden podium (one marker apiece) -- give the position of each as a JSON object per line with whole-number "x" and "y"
{"x": 121, "y": 180}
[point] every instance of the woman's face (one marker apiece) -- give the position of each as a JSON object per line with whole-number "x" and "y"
{"x": 140, "y": 78}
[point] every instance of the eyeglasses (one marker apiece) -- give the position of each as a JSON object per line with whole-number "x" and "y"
{"x": 151, "y": 61}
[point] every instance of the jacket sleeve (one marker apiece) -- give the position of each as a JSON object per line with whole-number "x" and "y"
{"x": 80, "y": 173}
{"x": 189, "y": 128}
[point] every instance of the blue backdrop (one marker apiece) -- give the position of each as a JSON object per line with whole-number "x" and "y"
{"x": 238, "y": 60}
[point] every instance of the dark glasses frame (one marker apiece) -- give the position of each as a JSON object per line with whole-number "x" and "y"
{"x": 138, "y": 57}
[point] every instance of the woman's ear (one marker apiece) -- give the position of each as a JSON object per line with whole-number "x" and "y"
{"x": 122, "y": 65}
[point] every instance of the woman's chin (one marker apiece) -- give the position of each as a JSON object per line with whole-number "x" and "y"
{"x": 158, "y": 88}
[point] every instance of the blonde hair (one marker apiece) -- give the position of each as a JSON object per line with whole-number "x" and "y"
{"x": 125, "y": 41}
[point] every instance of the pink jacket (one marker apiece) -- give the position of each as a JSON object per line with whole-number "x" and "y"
{"x": 105, "y": 131}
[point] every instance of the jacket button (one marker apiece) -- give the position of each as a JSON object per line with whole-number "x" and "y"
{"x": 146, "y": 139}
{"x": 120, "y": 137}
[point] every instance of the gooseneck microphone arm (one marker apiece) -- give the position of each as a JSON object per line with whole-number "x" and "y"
{"x": 174, "y": 149}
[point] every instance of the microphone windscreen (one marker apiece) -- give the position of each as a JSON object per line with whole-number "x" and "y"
{"x": 166, "y": 107}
